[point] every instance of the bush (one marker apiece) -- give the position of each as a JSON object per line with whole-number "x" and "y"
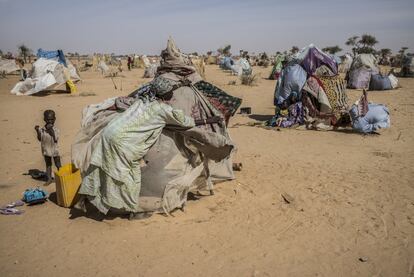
{"x": 248, "y": 80}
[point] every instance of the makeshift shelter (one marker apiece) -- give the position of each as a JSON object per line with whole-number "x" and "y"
{"x": 365, "y": 74}
{"x": 174, "y": 160}
{"x": 407, "y": 67}
{"x": 211, "y": 59}
{"x": 241, "y": 67}
{"x": 226, "y": 63}
{"x": 345, "y": 63}
{"x": 8, "y": 66}
{"x": 277, "y": 67}
{"x": 46, "y": 74}
{"x": 309, "y": 89}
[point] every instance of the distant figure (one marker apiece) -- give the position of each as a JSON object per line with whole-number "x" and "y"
{"x": 48, "y": 137}
{"x": 129, "y": 63}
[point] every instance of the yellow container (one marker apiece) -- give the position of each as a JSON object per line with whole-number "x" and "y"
{"x": 70, "y": 86}
{"x": 68, "y": 181}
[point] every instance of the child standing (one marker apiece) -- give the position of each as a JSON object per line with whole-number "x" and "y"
{"x": 48, "y": 137}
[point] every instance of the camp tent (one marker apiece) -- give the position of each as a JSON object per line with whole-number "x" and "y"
{"x": 277, "y": 67}
{"x": 365, "y": 74}
{"x": 345, "y": 63}
{"x": 309, "y": 87}
{"x": 407, "y": 67}
{"x": 8, "y": 66}
{"x": 241, "y": 67}
{"x": 49, "y": 70}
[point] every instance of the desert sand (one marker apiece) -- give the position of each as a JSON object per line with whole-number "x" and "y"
{"x": 351, "y": 211}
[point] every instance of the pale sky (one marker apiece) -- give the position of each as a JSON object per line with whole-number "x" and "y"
{"x": 143, "y": 27}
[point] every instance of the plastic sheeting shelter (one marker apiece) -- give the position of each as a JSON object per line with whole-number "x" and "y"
{"x": 45, "y": 74}
{"x": 8, "y": 66}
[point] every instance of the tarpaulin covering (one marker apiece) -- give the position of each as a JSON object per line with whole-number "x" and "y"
{"x": 8, "y": 66}
{"x": 293, "y": 79}
{"x": 57, "y": 54}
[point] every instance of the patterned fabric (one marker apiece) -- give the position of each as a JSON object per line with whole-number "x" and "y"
{"x": 162, "y": 85}
{"x": 335, "y": 90}
{"x": 222, "y": 101}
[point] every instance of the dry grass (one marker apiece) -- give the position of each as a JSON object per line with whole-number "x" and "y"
{"x": 249, "y": 80}
{"x": 87, "y": 93}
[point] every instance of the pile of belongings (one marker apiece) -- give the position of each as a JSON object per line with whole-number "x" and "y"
{"x": 138, "y": 154}
{"x": 369, "y": 117}
{"x": 407, "y": 66}
{"x": 50, "y": 69}
{"x": 277, "y": 67}
{"x": 310, "y": 90}
{"x": 8, "y": 66}
{"x": 365, "y": 74}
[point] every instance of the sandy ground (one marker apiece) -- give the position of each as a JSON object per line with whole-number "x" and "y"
{"x": 352, "y": 212}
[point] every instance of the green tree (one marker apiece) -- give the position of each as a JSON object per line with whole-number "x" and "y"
{"x": 367, "y": 43}
{"x": 24, "y": 51}
{"x": 332, "y": 49}
{"x": 353, "y": 42}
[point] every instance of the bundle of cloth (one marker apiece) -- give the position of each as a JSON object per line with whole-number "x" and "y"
{"x": 369, "y": 117}
{"x": 143, "y": 154}
{"x": 364, "y": 73}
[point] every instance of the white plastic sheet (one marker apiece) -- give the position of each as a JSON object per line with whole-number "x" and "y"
{"x": 8, "y": 66}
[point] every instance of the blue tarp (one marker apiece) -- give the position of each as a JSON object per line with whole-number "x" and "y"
{"x": 293, "y": 79}
{"x": 226, "y": 63}
{"x": 57, "y": 54}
